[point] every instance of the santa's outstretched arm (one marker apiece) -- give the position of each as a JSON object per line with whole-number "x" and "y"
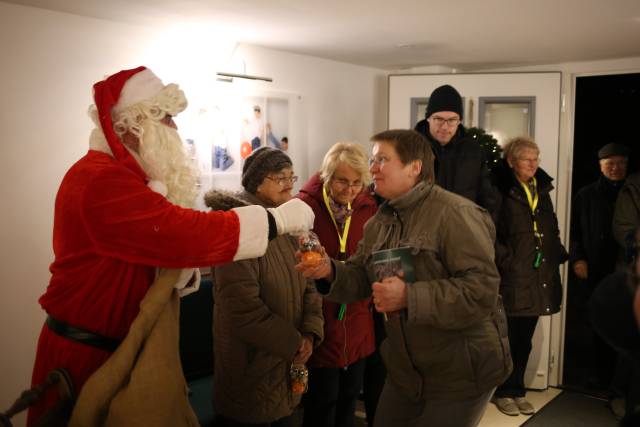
{"x": 259, "y": 225}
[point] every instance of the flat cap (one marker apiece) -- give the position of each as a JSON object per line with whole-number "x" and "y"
{"x": 613, "y": 149}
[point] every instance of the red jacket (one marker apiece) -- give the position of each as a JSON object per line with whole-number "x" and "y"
{"x": 351, "y": 339}
{"x": 110, "y": 233}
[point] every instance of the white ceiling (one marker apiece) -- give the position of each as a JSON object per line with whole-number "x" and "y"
{"x": 464, "y": 34}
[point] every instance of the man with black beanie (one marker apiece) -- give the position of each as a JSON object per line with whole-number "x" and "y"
{"x": 459, "y": 161}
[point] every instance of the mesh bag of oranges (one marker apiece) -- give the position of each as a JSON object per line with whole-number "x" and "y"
{"x": 310, "y": 249}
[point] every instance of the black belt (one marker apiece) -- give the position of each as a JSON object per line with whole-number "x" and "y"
{"x": 82, "y": 336}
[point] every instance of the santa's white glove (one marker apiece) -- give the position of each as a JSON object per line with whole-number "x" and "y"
{"x": 293, "y": 217}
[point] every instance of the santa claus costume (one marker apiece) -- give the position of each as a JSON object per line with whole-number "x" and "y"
{"x": 112, "y": 231}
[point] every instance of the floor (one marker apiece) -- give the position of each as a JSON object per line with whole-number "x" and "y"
{"x": 493, "y": 417}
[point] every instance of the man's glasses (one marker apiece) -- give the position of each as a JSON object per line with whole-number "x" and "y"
{"x": 283, "y": 180}
{"x": 343, "y": 183}
{"x": 439, "y": 121}
{"x": 378, "y": 160}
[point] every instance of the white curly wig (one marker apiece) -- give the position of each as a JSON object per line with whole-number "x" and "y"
{"x": 170, "y": 100}
{"x": 162, "y": 155}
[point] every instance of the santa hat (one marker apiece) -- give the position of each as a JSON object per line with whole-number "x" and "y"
{"x": 117, "y": 92}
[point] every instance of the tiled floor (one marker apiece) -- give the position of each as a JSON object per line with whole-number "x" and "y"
{"x": 493, "y": 417}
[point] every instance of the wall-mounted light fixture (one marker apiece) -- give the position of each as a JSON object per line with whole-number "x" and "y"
{"x": 228, "y": 77}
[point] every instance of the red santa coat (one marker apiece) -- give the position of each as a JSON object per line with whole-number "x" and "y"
{"x": 351, "y": 339}
{"x": 110, "y": 233}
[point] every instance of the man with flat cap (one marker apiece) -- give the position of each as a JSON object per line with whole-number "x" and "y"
{"x": 593, "y": 249}
{"x": 459, "y": 161}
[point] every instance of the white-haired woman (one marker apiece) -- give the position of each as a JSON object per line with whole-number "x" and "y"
{"x": 339, "y": 197}
{"x": 528, "y": 255}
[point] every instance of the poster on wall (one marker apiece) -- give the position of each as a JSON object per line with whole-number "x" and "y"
{"x": 265, "y": 122}
{"x": 220, "y": 136}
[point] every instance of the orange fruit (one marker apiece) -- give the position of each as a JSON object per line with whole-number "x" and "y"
{"x": 311, "y": 259}
{"x": 297, "y": 387}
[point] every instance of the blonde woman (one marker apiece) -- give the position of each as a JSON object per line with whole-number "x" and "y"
{"x": 338, "y": 195}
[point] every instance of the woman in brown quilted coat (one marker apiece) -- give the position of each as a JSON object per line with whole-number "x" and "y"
{"x": 267, "y": 316}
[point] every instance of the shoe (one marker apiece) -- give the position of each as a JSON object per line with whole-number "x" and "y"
{"x": 506, "y": 405}
{"x": 525, "y": 407}
{"x": 617, "y": 407}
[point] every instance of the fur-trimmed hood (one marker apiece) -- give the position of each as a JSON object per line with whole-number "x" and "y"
{"x": 223, "y": 200}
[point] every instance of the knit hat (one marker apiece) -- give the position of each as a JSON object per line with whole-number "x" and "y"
{"x": 613, "y": 149}
{"x": 260, "y": 163}
{"x": 445, "y": 98}
{"x": 115, "y": 93}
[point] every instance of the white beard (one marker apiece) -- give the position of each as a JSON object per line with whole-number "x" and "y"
{"x": 164, "y": 158}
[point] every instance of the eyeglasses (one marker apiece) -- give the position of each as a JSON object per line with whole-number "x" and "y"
{"x": 283, "y": 180}
{"x": 439, "y": 121}
{"x": 378, "y": 160}
{"x": 613, "y": 163}
{"x": 343, "y": 183}
{"x": 525, "y": 160}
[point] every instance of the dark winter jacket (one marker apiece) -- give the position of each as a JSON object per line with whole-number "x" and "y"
{"x": 591, "y": 228}
{"x": 525, "y": 290}
{"x": 263, "y": 306}
{"x": 626, "y": 217}
{"x": 451, "y": 340}
{"x": 460, "y": 167}
{"x": 350, "y": 339}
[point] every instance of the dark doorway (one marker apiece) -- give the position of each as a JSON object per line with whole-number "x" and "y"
{"x": 607, "y": 110}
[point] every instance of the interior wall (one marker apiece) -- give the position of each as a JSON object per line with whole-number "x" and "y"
{"x": 50, "y": 60}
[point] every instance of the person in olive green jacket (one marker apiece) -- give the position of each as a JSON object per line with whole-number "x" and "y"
{"x": 446, "y": 348}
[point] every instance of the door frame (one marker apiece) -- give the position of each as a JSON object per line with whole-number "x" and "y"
{"x": 565, "y": 168}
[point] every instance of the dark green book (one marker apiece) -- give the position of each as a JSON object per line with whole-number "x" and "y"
{"x": 394, "y": 262}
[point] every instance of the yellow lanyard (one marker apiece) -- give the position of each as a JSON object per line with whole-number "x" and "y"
{"x": 342, "y": 238}
{"x": 533, "y": 202}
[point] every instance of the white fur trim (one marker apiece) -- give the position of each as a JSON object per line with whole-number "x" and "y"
{"x": 140, "y": 87}
{"x": 254, "y": 232}
{"x": 185, "y": 275}
{"x": 98, "y": 142}
{"x": 159, "y": 187}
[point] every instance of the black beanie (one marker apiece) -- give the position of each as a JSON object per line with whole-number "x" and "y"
{"x": 260, "y": 163}
{"x": 445, "y": 98}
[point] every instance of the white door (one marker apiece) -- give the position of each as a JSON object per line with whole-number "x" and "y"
{"x": 505, "y": 104}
